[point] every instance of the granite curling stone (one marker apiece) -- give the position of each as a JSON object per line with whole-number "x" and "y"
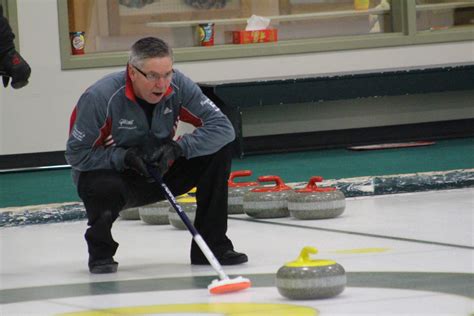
{"x": 188, "y": 204}
{"x": 130, "y": 214}
{"x": 268, "y": 202}
{"x": 305, "y": 279}
{"x": 237, "y": 191}
{"x": 313, "y": 202}
{"x": 155, "y": 213}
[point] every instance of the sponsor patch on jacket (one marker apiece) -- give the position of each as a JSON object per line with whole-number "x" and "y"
{"x": 127, "y": 124}
{"x": 210, "y": 103}
{"x": 77, "y": 134}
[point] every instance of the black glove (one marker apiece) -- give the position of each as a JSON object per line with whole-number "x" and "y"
{"x": 13, "y": 66}
{"x": 134, "y": 160}
{"x": 162, "y": 157}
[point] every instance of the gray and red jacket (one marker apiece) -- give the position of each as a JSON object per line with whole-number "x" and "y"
{"x": 107, "y": 120}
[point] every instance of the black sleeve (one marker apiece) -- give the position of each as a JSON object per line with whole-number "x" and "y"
{"x": 6, "y": 34}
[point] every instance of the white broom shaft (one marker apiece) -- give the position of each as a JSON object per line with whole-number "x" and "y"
{"x": 196, "y": 236}
{"x": 210, "y": 256}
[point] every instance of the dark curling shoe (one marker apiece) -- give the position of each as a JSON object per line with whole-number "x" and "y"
{"x": 103, "y": 266}
{"x": 227, "y": 258}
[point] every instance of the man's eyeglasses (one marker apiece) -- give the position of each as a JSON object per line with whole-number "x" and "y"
{"x": 154, "y": 76}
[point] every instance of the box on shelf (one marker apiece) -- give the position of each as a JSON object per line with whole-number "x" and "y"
{"x": 249, "y": 37}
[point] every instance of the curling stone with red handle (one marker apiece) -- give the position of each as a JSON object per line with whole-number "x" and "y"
{"x": 155, "y": 213}
{"x": 237, "y": 191}
{"x": 305, "y": 278}
{"x": 268, "y": 202}
{"x": 313, "y": 202}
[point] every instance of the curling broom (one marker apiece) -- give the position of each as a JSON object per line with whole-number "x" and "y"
{"x": 218, "y": 286}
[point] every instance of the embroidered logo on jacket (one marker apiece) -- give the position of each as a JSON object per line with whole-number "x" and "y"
{"x": 210, "y": 103}
{"x": 77, "y": 134}
{"x": 167, "y": 110}
{"x": 126, "y": 124}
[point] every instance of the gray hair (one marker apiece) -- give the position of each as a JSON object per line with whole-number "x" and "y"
{"x": 148, "y": 47}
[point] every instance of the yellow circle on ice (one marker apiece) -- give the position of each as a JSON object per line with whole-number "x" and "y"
{"x": 361, "y": 250}
{"x": 227, "y": 309}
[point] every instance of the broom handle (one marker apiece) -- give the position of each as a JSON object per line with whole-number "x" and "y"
{"x": 196, "y": 236}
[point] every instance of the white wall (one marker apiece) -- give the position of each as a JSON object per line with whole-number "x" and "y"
{"x": 36, "y": 118}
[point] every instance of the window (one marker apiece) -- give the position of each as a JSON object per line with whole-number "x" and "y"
{"x": 435, "y": 15}
{"x": 294, "y": 26}
{"x": 113, "y": 25}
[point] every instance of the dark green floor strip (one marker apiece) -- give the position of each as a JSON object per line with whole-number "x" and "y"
{"x": 353, "y": 187}
{"x": 55, "y": 186}
{"x": 448, "y": 283}
{"x": 355, "y": 233}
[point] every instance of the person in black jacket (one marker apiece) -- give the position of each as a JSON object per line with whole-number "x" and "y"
{"x": 12, "y": 65}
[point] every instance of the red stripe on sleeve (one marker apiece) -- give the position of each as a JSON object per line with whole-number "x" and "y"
{"x": 188, "y": 117}
{"x": 72, "y": 119}
{"x": 105, "y": 132}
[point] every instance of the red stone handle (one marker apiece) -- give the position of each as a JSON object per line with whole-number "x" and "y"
{"x": 240, "y": 173}
{"x": 278, "y": 181}
{"x": 313, "y": 187}
{"x": 279, "y": 184}
{"x": 312, "y": 182}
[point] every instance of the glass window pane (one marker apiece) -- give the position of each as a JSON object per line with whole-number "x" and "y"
{"x": 444, "y": 14}
{"x": 113, "y": 25}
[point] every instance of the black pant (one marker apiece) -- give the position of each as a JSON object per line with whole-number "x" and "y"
{"x": 106, "y": 192}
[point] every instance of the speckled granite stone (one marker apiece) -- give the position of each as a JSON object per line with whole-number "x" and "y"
{"x": 155, "y": 214}
{"x": 131, "y": 214}
{"x": 176, "y": 221}
{"x": 311, "y": 282}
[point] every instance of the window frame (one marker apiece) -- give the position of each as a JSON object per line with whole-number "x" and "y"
{"x": 10, "y": 12}
{"x": 405, "y": 33}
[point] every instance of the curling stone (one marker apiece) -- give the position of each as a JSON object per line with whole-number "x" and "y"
{"x": 129, "y": 214}
{"x": 237, "y": 191}
{"x": 155, "y": 213}
{"x": 188, "y": 204}
{"x": 305, "y": 279}
{"x": 268, "y": 202}
{"x": 313, "y": 202}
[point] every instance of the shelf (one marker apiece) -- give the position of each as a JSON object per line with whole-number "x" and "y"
{"x": 276, "y": 18}
{"x": 445, "y": 6}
